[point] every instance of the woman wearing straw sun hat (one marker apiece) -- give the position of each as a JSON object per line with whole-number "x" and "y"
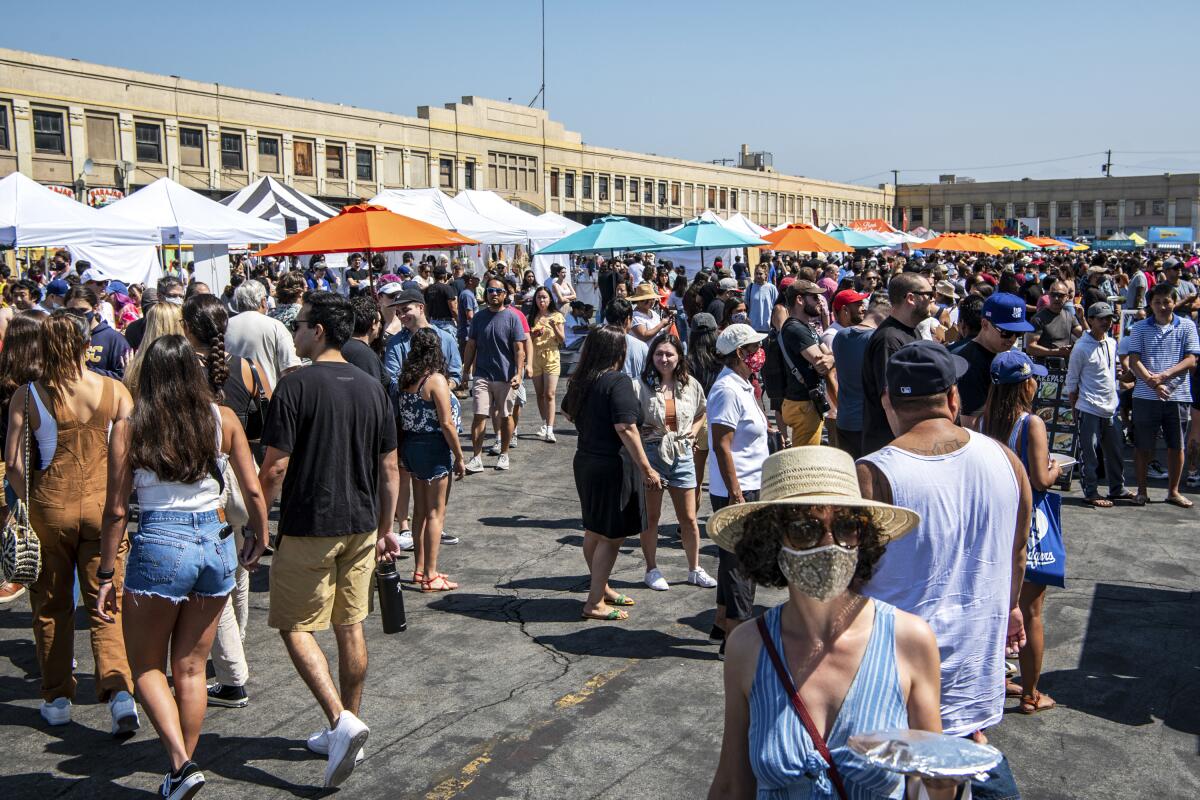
{"x": 647, "y": 321}
{"x": 855, "y": 664}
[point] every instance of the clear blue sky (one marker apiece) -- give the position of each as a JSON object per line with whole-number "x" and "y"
{"x": 838, "y": 91}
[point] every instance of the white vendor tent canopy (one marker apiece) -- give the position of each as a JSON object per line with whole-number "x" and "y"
{"x": 186, "y": 217}
{"x": 437, "y": 208}
{"x": 271, "y": 200}
{"x": 568, "y": 226}
{"x": 743, "y": 224}
{"x": 129, "y": 263}
{"x": 33, "y": 216}
{"x": 495, "y": 207}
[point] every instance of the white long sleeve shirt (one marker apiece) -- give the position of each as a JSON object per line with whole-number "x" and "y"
{"x": 1092, "y": 371}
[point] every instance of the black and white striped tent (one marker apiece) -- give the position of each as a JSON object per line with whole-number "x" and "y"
{"x": 269, "y": 199}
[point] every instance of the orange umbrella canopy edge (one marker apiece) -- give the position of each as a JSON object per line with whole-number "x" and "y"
{"x": 366, "y": 227}
{"x": 800, "y": 237}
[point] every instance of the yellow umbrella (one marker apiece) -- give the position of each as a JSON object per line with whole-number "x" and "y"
{"x": 1137, "y": 239}
{"x": 1000, "y": 242}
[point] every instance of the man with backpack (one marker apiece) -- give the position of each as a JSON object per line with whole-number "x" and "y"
{"x": 797, "y": 365}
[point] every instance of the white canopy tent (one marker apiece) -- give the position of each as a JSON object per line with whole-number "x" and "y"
{"x": 742, "y": 224}
{"x": 437, "y": 208}
{"x": 186, "y": 217}
{"x": 129, "y": 263}
{"x": 33, "y": 216}
{"x": 540, "y": 232}
{"x": 691, "y": 259}
{"x": 568, "y": 226}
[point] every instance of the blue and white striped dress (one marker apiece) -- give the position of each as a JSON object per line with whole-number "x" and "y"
{"x": 782, "y": 755}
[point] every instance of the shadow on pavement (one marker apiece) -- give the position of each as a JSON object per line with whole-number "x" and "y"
{"x": 510, "y": 609}
{"x": 1138, "y": 661}
{"x": 610, "y": 640}
{"x": 520, "y": 521}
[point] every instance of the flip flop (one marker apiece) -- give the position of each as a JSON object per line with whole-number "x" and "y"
{"x": 621, "y": 600}
{"x": 1126, "y": 496}
{"x": 614, "y": 615}
{"x": 1139, "y": 500}
{"x": 1180, "y": 500}
{"x": 1032, "y": 704}
{"x": 1097, "y": 502}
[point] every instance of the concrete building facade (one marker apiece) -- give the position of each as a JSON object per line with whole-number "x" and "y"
{"x": 56, "y": 114}
{"x": 1094, "y": 207}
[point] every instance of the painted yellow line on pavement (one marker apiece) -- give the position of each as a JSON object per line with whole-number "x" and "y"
{"x": 595, "y": 682}
{"x": 453, "y": 786}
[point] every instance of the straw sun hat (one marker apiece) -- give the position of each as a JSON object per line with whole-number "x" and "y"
{"x": 644, "y": 291}
{"x": 809, "y": 476}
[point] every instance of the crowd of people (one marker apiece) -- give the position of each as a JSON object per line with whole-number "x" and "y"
{"x": 867, "y": 428}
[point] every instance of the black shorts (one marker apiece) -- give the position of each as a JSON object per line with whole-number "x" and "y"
{"x": 735, "y": 590}
{"x": 1152, "y": 416}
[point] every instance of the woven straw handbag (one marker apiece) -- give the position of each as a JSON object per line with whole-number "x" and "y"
{"x": 20, "y": 550}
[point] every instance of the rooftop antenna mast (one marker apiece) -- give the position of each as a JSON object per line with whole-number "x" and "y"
{"x": 542, "y": 89}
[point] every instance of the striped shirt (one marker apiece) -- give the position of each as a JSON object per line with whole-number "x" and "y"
{"x": 1161, "y": 347}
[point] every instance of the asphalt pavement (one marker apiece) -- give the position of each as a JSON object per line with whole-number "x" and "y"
{"x": 500, "y": 690}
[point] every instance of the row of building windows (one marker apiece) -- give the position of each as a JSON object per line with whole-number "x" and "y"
{"x": 1133, "y": 209}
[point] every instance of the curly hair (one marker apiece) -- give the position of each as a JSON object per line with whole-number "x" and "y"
{"x": 424, "y": 357}
{"x": 766, "y": 527}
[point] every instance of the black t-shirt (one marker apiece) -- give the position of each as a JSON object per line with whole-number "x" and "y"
{"x": 797, "y": 337}
{"x": 437, "y": 300}
{"x": 458, "y": 285}
{"x": 1032, "y": 292}
{"x": 1091, "y": 296}
{"x": 889, "y": 337}
{"x": 1053, "y": 329}
{"x": 607, "y": 283}
{"x": 362, "y": 356}
{"x": 359, "y": 275}
{"x": 716, "y": 307}
{"x": 610, "y": 401}
{"x": 974, "y": 385}
{"x": 134, "y": 332}
{"x": 334, "y": 421}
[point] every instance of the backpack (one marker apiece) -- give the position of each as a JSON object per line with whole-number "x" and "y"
{"x": 775, "y": 370}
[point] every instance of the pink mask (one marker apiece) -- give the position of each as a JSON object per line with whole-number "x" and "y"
{"x": 756, "y": 361}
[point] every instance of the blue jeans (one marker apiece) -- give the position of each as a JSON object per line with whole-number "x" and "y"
{"x": 1108, "y": 431}
{"x": 176, "y": 554}
{"x": 1000, "y": 784}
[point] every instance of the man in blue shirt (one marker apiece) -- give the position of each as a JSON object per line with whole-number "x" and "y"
{"x": 1162, "y": 351}
{"x": 760, "y": 300}
{"x": 468, "y": 304}
{"x": 496, "y": 351}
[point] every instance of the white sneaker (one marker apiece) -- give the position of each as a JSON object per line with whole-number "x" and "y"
{"x": 406, "y": 542}
{"x": 698, "y": 577}
{"x": 541, "y": 434}
{"x": 549, "y": 437}
{"x": 512, "y": 440}
{"x": 474, "y": 465}
{"x": 502, "y": 461}
{"x": 319, "y": 743}
{"x": 124, "y": 714}
{"x": 345, "y": 740}
{"x": 656, "y": 581}
{"x": 494, "y": 450}
{"x": 58, "y": 712}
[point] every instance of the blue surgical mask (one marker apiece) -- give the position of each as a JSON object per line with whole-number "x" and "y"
{"x": 741, "y": 316}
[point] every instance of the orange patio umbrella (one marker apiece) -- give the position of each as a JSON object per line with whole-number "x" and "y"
{"x": 803, "y": 238}
{"x": 958, "y": 242}
{"x": 1046, "y": 243}
{"x": 366, "y": 227}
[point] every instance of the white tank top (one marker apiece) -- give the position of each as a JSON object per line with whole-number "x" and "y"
{"x": 954, "y": 569}
{"x": 204, "y": 495}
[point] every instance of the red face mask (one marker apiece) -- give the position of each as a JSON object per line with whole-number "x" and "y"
{"x": 756, "y": 361}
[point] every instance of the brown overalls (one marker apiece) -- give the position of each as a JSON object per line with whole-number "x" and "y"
{"x": 66, "y": 504}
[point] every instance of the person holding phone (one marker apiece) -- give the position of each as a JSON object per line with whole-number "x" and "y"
{"x": 181, "y": 558}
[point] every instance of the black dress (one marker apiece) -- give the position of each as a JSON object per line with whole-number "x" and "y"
{"x": 599, "y": 472}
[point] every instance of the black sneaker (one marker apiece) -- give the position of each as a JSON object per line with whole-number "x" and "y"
{"x": 184, "y": 783}
{"x": 721, "y": 652}
{"x": 716, "y": 635}
{"x": 227, "y": 696}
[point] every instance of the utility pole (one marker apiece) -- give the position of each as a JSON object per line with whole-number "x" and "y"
{"x": 1108, "y": 164}
{"x": 896, "y": 222}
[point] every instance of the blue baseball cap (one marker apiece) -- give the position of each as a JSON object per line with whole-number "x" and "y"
{"x": 922, "y": 368}
{"x": 58, "y": 288}
{"x": 1013, "y": 366}
{"x": 118, "y": 287}
{"x": 1007, "y": 312}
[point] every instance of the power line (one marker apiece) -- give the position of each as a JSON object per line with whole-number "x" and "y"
{"x": 989, "y": 166}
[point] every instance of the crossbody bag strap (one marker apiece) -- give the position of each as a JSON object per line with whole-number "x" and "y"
{"x": 28, "y": 429}
{"x": 260, "y": 391}
{"x": 801, "y": 711}
{"x": 798, "y": 374}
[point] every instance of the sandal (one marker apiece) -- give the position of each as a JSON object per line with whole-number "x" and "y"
{"x": 613, "y": 615}
{"x": 1127, "y": 496}
{"x": 418, "y": 577}
{"x": 1013, "y": 689}
{"x": 1097, "y": 502}
{"x": 1032, "y": 704}
{"x": 620, "y": 600}
{"x": 1180, "y": 500}
{"x": 1139, "y": 499}
{"x": 438, "y": 583}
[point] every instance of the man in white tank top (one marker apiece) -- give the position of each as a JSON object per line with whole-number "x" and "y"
{"x": 961, "y": 569}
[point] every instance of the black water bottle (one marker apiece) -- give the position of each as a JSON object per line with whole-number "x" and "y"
{"x": 391, "y": 600}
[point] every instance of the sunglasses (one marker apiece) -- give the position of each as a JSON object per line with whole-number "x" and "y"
{"x": 847, "y": 529}
{"x": 494, "y": 290}
{"x": 1006, "y": 334}
{"x": 295, "y": 324}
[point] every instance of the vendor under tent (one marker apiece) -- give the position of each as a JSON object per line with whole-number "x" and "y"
{"x": 276, "y": 202}
{"x": 708, "y": 234}
{"x": 33, "y": 216}
{"x": 613, "y": 234}
{"x": 959, "y": 243}
{"x": 802, "y": 238}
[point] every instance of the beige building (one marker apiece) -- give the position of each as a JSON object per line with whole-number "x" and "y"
{"x": 1095, "y": 207}
{"x": 135, "y": 127}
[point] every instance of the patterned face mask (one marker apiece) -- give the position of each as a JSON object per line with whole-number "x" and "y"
{"x": 822, "y": 573}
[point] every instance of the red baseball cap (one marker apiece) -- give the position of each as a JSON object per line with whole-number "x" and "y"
{"x": 846, "y": 297}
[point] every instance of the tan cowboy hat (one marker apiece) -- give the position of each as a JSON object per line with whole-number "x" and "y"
{"x": 809, "y": 476}
{"x": 644, "y": 291}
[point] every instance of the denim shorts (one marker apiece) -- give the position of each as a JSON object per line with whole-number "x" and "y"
{"x": 176, "y": 554}
{"x": 426, "y": 455}
{"x": 681, "y": 474}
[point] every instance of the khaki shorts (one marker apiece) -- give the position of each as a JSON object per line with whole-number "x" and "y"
{"x": 802, "y": 418}
{"x": 493, "y": 395}
{"x": 316, "y": 580}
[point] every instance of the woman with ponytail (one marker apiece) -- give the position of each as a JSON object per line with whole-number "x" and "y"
{"x": 241, "y": 386}
{"x": 70, "y": 413}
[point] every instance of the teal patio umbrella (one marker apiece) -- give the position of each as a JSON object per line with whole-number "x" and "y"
{"x": 612, "y": 234}
{"x": 704, "y": 234}
{"x": 856, "y": 239}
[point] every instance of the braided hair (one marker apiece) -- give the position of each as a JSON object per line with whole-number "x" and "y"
{"x": 205, "y": 318}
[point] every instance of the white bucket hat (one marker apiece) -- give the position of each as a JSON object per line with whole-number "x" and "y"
{"x": 737, "y": 335}
{"x": 809, "y": 476}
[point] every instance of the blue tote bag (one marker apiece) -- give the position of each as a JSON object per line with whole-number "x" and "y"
{"x": 1045, "y": 555}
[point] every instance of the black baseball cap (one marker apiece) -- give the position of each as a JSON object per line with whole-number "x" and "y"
{"x": 408, "y": 296}
{"x": 922, "y": 368}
